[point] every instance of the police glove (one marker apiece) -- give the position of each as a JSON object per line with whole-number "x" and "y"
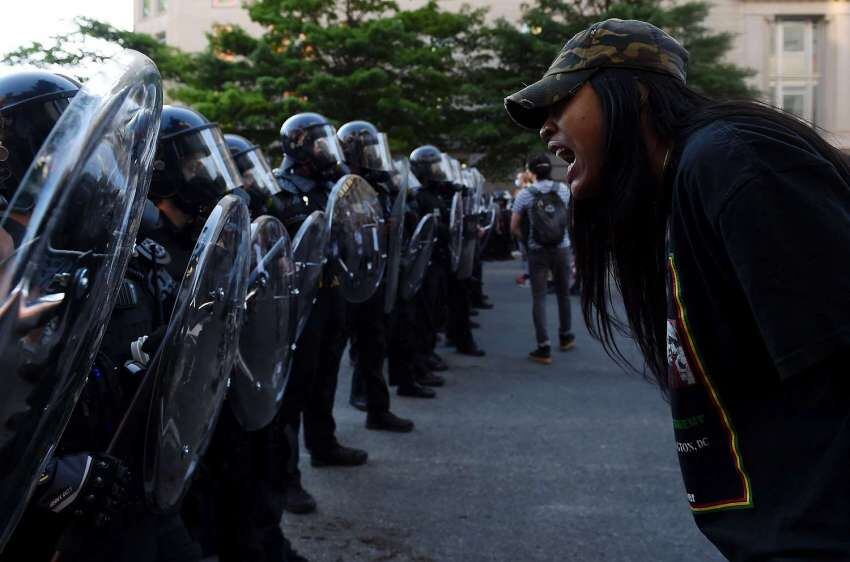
{"x": 85, "y": 485}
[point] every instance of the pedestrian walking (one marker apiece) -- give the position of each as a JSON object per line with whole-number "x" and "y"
{"x": 726, "y": 227}
{"x": 539, "y": 219}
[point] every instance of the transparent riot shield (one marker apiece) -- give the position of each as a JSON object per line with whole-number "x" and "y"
{"x": 61, "y": 272}
{"x": 308, "y": 252}
{"x": 194, "y": 361}
{"x": 417, "y": 257}
{"x": 268, "y": 329}
{"x": 487, "y": 220}
{"x": 456, "y": 230}
{"x": 395, "y": 244}
{"x": 356, "y": 246}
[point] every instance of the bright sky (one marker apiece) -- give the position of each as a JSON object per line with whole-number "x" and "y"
{"x": 38, "y": 20}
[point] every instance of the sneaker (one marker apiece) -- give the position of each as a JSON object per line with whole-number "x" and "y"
{"x": 298, "y": 500}
{"x": 543, "y": 354}
{"x": 567, "y": 342}
{"x": 338, "y": 455}
{"x": 387, "y": 421}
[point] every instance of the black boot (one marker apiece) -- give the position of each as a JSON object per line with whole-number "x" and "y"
{"x": 387, "y": 421}
{"x": 415, "y": 390}
{"x": 297, "y": 499}
{"x": 430, "y": 379}
{"x": 436, "y": 363}
{"x": 338, "y": 455}
{"x": 472, "y": 350}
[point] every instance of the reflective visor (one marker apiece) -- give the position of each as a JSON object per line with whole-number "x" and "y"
{"x": 256, "y": 173}
{"x": 204, "y": 165}
{"x": 323, "y": 143}
{"x": 442, "y": 170}
{"x": 23, "y": 129}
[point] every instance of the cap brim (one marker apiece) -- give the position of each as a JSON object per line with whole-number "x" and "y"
{"x": 529, "y": 107}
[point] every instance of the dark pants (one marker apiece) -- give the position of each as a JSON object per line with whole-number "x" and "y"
{"x": 403, "y": 349}
{"x": 150, "y": 538}
{"x": 312, "y": 383}
{"x": 541, "y": 262}
{"x": 237, "y": 500}
{"x": 369, "y": 347}
{"x": 459, "y": 306}
{"x": 476, "y": 283}
{"x": 430, "y": 306}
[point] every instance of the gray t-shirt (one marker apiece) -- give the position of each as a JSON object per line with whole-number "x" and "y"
{"x": 524, "y": 199}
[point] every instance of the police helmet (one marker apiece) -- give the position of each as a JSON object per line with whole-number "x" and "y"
{"x": 31, "y": 103}
{"x": 193, "y": 166}
{"x": 257, "y": 177}
{"x": 308, "y": 138}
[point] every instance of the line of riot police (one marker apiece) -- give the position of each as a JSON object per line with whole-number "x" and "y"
{"x": 160, "y": 351}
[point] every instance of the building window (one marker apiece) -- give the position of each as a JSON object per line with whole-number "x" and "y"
{"x": 794, "y": 71}
{"x": 146, "y": 8}
{"x": 162, "y": 6}
{"x": 225, "y": 3}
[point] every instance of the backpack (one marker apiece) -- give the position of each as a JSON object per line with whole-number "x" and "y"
{"x": 547, "y": 217}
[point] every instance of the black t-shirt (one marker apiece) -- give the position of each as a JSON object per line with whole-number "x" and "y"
{"x": 758, "y": 307}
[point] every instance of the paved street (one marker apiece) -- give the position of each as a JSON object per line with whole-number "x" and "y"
{"x": 513, "y": 462}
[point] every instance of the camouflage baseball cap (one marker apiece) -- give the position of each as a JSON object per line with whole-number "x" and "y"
{"x": 612, "y": 43}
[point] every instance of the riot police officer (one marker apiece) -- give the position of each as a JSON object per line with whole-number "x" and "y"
{"x": 230, "y": 508}
{"x": 31, "y": 103}
{"x": 459, "y": 323}
{"x": 407, "y": 367}
{"x": 433, "y": 170}
{"x": 258, "y": 181}
{"x": 367, "y": 155}
{"x": 313, "y": 161}
{"x": 79, "y": 479}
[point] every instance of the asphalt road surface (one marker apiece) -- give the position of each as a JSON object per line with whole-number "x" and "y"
{"x": 513, "y": 461}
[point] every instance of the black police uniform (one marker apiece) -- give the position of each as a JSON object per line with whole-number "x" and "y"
{"x": 313, "y": 379}
{"x": 431, "y": 299}
{"x": 405, "y": 360}
{"x": 134, "y": 533}
{"x": 369, "y": 333}
{"x": 236, "y": 504}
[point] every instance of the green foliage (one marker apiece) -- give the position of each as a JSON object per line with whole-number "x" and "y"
{"x": 424, "y": 75}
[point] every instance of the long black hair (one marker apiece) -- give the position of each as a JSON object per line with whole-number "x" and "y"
{"x": 619, "y": 236}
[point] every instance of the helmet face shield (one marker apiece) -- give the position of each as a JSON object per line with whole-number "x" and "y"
{"x": 199, "y": 166}
{"x": 442, "y": 170}
{"x": 256, "y": 173}
{"x": 23, "y": 129}
{"x": 320, "y": 146}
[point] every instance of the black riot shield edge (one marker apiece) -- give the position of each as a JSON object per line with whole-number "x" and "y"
{"x": 89, "y": 182}
{"x": 268, "y": 329}
{"x": 193, "y": 364}
{"x": 308, "y": 253}
{"x": 417, "y": 257}
{"x": 356, "y": 253}
{"x": 394, "y": 250}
